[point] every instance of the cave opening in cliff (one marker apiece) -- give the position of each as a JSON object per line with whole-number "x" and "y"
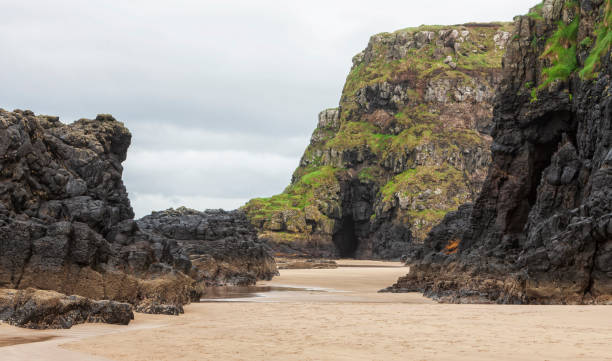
{"x": 558, "y": 129}
{"x": 345, "y": 239}
{"x": 554, "y": 128}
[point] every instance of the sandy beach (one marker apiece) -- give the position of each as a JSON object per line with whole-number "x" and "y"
{"x": 337, "y": 315}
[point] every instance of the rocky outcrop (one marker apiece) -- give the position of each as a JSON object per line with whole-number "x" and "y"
{"x": 222, "y": 246}
{"x": 47, "y": 309}
{"x": 66, "y": 223}
{"x": 541, "y": 228}
{"x": 408, "y": 144}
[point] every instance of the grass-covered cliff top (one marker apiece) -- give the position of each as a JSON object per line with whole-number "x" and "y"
{"x": 423, "y": 58}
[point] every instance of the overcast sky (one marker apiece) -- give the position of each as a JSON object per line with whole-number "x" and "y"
{"x": 220, "y": 96}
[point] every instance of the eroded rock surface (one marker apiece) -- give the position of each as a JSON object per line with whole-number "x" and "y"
{"x": 541, "y": 229}
{"x": 48, "y": 309}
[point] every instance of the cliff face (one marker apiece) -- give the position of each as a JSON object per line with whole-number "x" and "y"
{"x": 541, "y": 229}
{"x": 408, "y": 143}
{"x": 66, "y": 223}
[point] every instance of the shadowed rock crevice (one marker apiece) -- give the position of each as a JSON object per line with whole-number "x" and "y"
{"x": 552, "y": 131}
{"x": 345, "y": 239}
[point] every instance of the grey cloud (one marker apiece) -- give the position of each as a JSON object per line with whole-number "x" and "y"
{"x": 241, "y": 76}
{"x": 147, "y": 137}
{"x": 221, "y": 174}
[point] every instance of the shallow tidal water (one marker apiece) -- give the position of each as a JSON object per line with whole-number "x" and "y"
{"x": 251, "y": 293}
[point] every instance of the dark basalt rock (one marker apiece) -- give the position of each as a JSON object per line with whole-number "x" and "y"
{"x": 66, "y": 223}
{"x": 222, "y": 246}
{"x": 47, "y": 309}
{"x": 541, "y": 229}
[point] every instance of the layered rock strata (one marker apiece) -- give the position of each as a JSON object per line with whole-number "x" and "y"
{"x": 408, "y": 143}
{"x": 541, "y": 228}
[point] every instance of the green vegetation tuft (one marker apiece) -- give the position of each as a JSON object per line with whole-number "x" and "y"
{"x": 429, "y": 216}
{"x": 561, "y": 50}
{"x": 534, "y": 95}
{"x": 389, "y": 190}
{"x": 367, "y": 175}
{"x": 414, "y": 181}
{"x": 535, "y": 16}
{"x": 586, "y": 42}
{"x": 602, "y": 44}
{"x": 536, "y": 13}
{"x": 356, "y": 134}
{"x": 562, "y": 46}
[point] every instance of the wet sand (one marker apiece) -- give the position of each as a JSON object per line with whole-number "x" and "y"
{"x": 338, "y": 317}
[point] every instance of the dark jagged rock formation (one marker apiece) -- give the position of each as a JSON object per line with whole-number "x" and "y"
{"x": 541, "y": 229}
{"x": 48, "y": 309}
{"x": 222, "y": 246}
{"x": 66, "y": 223}
{"x": 409, "y": 143}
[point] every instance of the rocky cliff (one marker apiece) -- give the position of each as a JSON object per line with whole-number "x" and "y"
{"x": 541, "y": 229}
{"x": 408, "y": 143}
{"x": 66, "y": 223}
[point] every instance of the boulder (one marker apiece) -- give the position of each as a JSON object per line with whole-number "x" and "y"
{"x": 39, "y": 309}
